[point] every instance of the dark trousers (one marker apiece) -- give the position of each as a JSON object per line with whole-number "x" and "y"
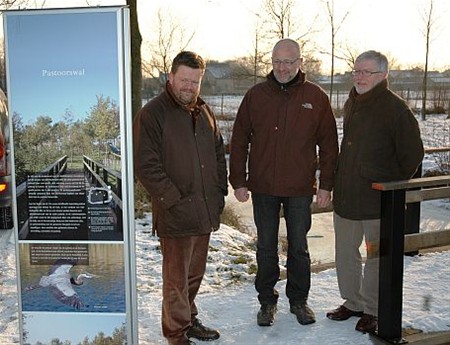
{"x": 297, "y": 214}
{"x": 184, "y": 264}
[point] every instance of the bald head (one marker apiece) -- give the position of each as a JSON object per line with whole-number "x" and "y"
{"x": 287, "y": 43}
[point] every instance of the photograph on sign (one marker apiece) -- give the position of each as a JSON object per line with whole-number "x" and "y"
{"x": 64, "y": 97}
{"x": 72, "y": 277}
{"x": 48, "y": 328}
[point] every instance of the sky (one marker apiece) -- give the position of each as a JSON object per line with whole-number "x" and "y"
{"x": 224, "y": 29}
{"x": 43, "y": 49}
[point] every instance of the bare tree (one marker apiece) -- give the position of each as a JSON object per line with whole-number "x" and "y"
{"x": 347, "y": 54}
{"x": 280, "y": 16}
{"x": 171, "y": 39}
{"x": 429, "y": 22}
{"x": 256, "y": 65}
{"x": 334, "y": 30}
{"x": 280, "y": 21}
{"x": 259, "y": 65}
{"x": 9, "y": 4}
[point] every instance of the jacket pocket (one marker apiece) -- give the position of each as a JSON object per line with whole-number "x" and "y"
{"x": 182, "y": 216}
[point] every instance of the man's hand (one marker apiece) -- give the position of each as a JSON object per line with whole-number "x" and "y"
{"x": 323, "y": 198}
{"x": 241, "y": 194}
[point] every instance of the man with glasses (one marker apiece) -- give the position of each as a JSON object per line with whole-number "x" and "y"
{"x": 283, "y": 126}
{"x": 381, "y": 143}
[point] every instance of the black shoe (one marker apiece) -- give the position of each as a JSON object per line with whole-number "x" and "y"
{"x": 266, "y": 314}
{"x": 200, "y": 332}
{"x": 305, "y": 315}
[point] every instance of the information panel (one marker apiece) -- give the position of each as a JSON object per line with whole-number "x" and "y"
{"x": 69, "y": 97}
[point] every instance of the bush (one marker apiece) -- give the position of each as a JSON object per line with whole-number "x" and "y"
{"x": 142, "y": 201}
{"x": 230, "y": 217}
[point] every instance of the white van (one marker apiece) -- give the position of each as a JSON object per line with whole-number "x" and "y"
{"x": 5, "y": 167}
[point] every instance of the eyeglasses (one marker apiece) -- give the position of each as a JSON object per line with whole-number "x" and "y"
{"x": 364, "y": 72}
{"x": 286, "y": 62}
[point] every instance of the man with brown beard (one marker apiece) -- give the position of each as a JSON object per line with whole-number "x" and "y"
{"x": 180, "y": 160}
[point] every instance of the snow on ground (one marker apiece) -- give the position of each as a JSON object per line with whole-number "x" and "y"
{"x": 227, "y": 300}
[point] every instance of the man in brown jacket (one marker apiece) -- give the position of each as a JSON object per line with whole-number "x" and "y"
{"x": 280, "y": 126}
{"x": 180, "y": 160}
{"x": 381, "y": 143}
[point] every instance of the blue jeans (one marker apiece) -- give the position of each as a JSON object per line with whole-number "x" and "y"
{"x": 297, "y": 214}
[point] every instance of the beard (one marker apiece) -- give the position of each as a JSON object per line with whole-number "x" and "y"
{"x": 186, "y": 96}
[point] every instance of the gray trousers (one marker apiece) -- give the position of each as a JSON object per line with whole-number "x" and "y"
{"x": 358, "y": 284}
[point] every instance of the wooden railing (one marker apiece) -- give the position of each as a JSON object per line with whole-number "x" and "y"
{"x": 101, "y": 175}
{"x": 413, "y": 212}
{"x": 56, "y": 168}
{"x": 394, "y": 197}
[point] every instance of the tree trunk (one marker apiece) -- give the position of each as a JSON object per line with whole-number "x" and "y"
{"x": 136, "y": 69}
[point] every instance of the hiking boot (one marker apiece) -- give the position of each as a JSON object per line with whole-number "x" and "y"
{"x": 367, "y": 324}
{"x": 200, "y": 332}
{"x": 342, "y": 313}
{"x": 266, "y": 314}
{"x": 305, "y": 315}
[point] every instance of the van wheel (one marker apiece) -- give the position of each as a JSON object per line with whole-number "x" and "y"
{"x": 6, "y": 222}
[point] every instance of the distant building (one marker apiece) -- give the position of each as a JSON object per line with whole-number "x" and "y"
{"x": 220, "y": 79}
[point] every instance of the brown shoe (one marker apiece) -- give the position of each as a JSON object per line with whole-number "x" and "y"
{"x": 201, "y": 332}
{"x": 342, "y": 313}
{"x": 367, "y": 324}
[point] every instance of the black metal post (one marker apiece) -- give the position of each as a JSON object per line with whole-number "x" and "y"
{"x": 412, "y": 215}
{"x": 391, "y": 266}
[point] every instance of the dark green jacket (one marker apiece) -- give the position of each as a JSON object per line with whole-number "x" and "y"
{"x": 381, "y": 143}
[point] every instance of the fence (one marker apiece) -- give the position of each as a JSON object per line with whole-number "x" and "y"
{"x": 394, "y": 197}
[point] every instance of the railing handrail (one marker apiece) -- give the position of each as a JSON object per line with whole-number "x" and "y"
{"x": 437, "y": 149}
{"x": 434, "y": 181}
{"x": 112, "y": 172}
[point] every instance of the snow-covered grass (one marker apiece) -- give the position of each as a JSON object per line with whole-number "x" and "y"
{"x": 227, "y": 298}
